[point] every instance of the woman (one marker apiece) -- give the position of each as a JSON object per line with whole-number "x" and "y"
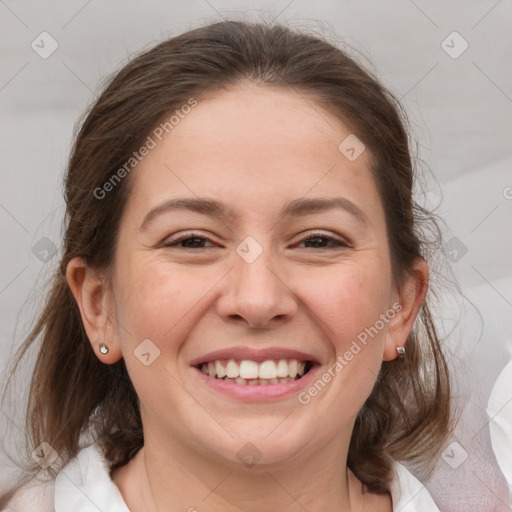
{"x": 239, "y": 320}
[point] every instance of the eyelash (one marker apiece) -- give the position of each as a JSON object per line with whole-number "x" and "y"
{"x": 189, "y": 236}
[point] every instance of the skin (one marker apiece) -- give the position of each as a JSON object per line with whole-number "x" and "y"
{"x": 254, "y": 149}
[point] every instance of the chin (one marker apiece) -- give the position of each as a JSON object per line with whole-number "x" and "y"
{"x": 261, "y": 447}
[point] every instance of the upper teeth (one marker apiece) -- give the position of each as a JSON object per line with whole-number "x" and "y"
{"x": 248, "y": 369}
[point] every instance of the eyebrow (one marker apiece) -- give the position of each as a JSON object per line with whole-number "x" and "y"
{"x": 296, "y": 208}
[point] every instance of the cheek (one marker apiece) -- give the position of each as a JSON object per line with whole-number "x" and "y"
{"x": 347, "y": 305}
{"x": 159, "y": 302}
{"x": 350, "y": 299}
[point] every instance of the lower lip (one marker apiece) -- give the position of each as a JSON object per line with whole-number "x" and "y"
{"x": 260, "y": 392}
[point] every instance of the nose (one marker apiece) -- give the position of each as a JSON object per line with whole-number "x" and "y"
{"x": 255, "y": 294}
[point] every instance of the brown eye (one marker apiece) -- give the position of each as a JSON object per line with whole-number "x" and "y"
{"x": 321, "y": 241}
{"x": 188, "y": 241}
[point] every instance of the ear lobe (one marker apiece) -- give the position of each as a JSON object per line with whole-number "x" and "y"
{"x": 410, "y": 296}
{"x": 92, "y": 295}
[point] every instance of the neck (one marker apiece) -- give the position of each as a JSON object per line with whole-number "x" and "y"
{"x": 178, "y": 478}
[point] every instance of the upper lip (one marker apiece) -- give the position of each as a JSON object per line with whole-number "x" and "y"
{"x": 254, "y": 354}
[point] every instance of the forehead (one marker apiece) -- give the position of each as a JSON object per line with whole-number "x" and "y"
{"x": 253, "y": 145}
{"x": 249, "y": 118}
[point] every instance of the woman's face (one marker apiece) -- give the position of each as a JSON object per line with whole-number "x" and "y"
{"x": 250, "y": 236}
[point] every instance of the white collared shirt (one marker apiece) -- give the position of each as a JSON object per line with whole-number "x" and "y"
{"x": 84, "y": 485}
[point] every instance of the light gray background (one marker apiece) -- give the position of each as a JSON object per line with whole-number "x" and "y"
{"x": 460, "y": 110}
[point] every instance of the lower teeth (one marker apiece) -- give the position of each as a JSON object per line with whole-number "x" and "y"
{"x": 259, "y": 382}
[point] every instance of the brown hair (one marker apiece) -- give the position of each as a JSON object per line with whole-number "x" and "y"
{"x": 406, "y": 417}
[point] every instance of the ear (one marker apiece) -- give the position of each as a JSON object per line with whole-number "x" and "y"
{"x": 410, "y": 296}
{"x": 93, "y": 297}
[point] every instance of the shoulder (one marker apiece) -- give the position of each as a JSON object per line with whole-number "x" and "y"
{"x": 82, "y": 485}
{"x": 409, "y": 494}
{"x": 34, "y": 496}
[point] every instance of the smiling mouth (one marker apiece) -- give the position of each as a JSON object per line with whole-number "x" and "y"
{"x": 251, "y": 373}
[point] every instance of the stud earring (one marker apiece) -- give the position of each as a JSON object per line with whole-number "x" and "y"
{"x": 103, "y": 349}
{"x": 401, "y": 352}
